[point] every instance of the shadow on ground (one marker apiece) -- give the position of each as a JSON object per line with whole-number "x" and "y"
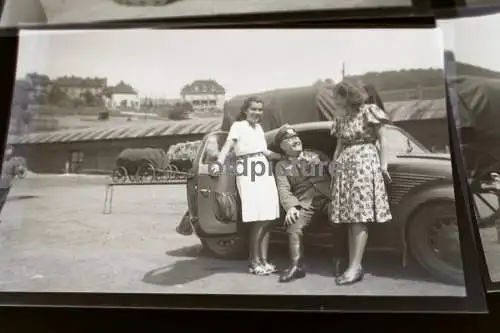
{"x": 199, "y": 265}
{"x": 21, "y": 197}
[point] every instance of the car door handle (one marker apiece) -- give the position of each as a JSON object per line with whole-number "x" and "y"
{"x": 205, "y": 192}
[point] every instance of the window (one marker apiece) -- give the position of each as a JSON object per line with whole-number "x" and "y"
{"x": 213, "y": 147}
{"x": 398, "y": 143}
{"x": 76, "y": 161}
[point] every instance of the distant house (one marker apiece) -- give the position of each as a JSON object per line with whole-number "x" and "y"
{"x": 123, "y": 96}
{"x": 75, "y": 87}
{"x": 204, "y": 95}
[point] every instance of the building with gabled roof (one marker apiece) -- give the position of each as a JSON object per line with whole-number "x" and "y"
{"x": 74, "y": 87}
{"x": 204, "y": 95}
{"x": 123, "y": 96}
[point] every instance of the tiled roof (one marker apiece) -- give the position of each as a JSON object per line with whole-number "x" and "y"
{"x": 122, "y": 88}
{"x": 200, "y": 87}
{"x": 74, "y": 81}
{"x": 168, "y": 128}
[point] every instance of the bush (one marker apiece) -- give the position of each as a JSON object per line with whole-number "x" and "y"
{"x": 183, "y": 154}
{"x": 180, "y": 111}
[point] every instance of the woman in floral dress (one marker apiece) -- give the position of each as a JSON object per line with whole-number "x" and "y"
{"x": 359, "y": 194}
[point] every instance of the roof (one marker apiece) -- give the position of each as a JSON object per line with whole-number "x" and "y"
{"x": 74, "y": 81}
{"x": 200, "y": 87}
{"x": 315, "y": 103}
{"x": 122, "y": 88}
{"x": 38, "y": 79}
{"x": 167, "y": 128}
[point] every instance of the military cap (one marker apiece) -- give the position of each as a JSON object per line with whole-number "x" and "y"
{"x": 285, "y": 132}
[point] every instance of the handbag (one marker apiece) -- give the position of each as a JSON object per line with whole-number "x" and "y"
{"x": 226, "y": 206}
{"x": 226, "y": 200}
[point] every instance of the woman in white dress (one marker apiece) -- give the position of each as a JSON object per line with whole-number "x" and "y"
{"x": 255, "y": 181}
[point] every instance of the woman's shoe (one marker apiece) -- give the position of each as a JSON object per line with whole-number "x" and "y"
{"x": 270, "y": 267}
{"x": 258, "y": 269}
{"x": 344, "y": 280}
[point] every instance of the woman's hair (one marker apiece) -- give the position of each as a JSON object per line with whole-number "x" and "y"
{"x": 246, "y": 104}
{"x": 354, "y": 94}
{"x": 373, "y": 96}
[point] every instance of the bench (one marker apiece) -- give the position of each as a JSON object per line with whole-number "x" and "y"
{"x": 109, "y": 187}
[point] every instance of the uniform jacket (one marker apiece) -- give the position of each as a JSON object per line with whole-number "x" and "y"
{"x": 299, "y": 182}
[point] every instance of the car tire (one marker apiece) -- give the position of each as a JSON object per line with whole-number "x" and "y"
{"x": 426, "y": 228}
{"x": 226, "y": 247}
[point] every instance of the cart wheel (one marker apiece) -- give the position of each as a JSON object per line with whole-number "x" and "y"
{"x": 486, "y": 209}
{"x": 175, "y": 171}
{"x": 146, "y": 173}
{"x": 119, "y": 175}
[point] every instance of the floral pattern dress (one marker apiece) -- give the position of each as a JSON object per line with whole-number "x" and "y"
{"x": 358, "y": 188}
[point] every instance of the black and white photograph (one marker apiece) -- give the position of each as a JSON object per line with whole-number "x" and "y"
{"x": 274, "y": 162}
{"x": 18, "y": 12}
{"x": 474, "y": 80}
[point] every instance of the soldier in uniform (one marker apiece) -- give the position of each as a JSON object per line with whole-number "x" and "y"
{"x": 304, "y": 188}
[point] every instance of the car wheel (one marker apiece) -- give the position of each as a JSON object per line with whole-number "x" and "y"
{"x": 227, "y": 248}
{"x": 434, "y": 241}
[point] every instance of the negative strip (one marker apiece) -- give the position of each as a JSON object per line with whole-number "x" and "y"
{"x": 276, "y": 162}
{"x": 87, "y": 11}
{"x": 475, "y": 85}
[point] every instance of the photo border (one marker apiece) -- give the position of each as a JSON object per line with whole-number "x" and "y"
{"x": 473, "y": 302}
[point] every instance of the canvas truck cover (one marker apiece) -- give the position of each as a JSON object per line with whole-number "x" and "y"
{"x": 291, "y": 105}
{"x": 133, "y": 156}
{"x": 478, "y": 108}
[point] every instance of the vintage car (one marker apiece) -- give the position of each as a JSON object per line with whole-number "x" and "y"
{"x": 422, "y": 199}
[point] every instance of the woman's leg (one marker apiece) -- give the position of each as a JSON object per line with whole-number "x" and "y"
{"x": 257, "y": 233}
{"x": 359, "y": 238}
{"x": 264, "y": 245}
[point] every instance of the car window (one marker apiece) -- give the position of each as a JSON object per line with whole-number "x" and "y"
{"x": 398, "y": 143}
{"x": 212, "y": 148}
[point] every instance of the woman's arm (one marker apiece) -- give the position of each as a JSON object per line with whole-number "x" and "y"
{"x": 338, "y": 148}
{"x": 383, "y": 151}
{"x": 228, "y": 145}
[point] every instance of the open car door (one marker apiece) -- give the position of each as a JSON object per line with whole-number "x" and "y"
{"x": 217, "y": 197}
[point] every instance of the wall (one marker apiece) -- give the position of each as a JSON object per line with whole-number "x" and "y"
{"x": 131, "y": 100}
{"x": 98, "y": 155}
{"x": 219, "y": 100}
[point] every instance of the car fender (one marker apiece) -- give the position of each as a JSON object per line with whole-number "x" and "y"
{"x": 417, "y": 199}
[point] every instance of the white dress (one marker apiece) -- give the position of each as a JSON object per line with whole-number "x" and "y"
{"x": 257, "y": 189}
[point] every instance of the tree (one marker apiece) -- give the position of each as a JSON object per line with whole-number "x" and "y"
{"x": 180, "y": 111}
{"x": 88, "y": 98}
{"x": 56, "y": 96}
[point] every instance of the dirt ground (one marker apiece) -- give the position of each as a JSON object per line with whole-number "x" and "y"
{"x": 54, "y": 237}
{"x": 65, "y": 11}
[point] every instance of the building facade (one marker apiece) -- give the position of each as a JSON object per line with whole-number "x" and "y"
{"x": 123, "y": 96}
{"x": 75, "y": 87}
{"x": 204, "y": 95}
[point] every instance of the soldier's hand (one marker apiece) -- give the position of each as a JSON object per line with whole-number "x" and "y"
{"x": 291, "y": 216}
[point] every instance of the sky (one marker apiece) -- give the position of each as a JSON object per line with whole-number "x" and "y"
{"x": 160, "y": 62}
{"x": 474, "y": 40}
